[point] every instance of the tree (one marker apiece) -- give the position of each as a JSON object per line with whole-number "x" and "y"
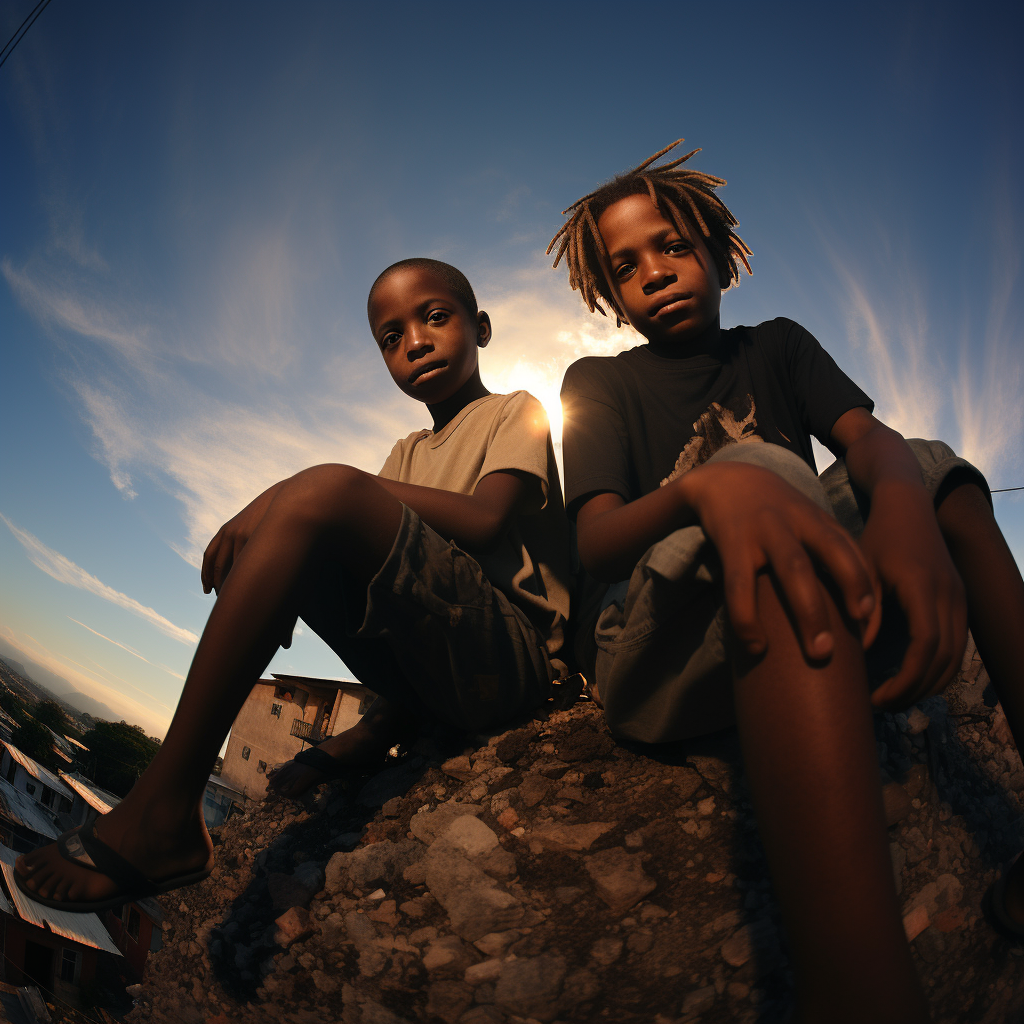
{"x": 12, "y": 705}
{"x": 35, "y": 740}
{"x": 118, "y": 754}
{"x": 51, "y": 714}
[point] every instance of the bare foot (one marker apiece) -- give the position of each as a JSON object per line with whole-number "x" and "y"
{"x": 356, "y": 748}
{"x": 148, "y": 837}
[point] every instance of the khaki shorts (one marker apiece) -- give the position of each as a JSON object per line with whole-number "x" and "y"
{"x": 436, "y": 637}
{"x": 663, "y": 665}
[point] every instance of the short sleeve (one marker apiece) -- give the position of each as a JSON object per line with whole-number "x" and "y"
{"x": 823, "y": 392}
{"x": 521, "y": 442}
{"x": 594, "y": 436}
{"x": 392, "y": 464}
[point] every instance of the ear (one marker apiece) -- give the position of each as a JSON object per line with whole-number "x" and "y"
{"x": 483, "y": 329}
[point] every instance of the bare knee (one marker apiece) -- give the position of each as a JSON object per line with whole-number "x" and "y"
{"x": 319, "y": 496}
{"x": 963, "y": 511}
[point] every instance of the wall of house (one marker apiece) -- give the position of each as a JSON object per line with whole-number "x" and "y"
{"x": 135, "y": 951}
{"x": 267, "y": 737}
{"x": 17, "y": 933}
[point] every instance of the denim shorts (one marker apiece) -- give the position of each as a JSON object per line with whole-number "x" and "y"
{"x": 663, "y": 665}
{"x": 435, "y": 636}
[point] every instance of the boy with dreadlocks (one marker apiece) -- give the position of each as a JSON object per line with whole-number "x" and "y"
{"x": 744, "y": 600}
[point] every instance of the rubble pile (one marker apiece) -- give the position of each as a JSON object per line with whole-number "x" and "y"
{"x": 549, "y": 874}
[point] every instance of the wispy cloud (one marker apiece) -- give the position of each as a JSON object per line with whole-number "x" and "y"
{"x": 62, "y": 569}
{"x": 84, "y": 679}
{"x": 958, "y": 382}
{"x": 130, "y": 650}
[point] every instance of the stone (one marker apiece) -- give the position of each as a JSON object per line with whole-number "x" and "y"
{"x": 533, "y": 789}
{"x": 530, "y": 986}
{"x": 372, "y": 1012}
{"x": 556, "y": 836}
{"x": 687, "y": 782}
{"x": 448, "y": 1000}
{"x": 698, "y": 1001}
{"x": 915, "y": 921}
{"x": 917, "y": 721}
{"x": 430, "y": 825}
{"x": 916, "y": 845}
{"x": 446, "y": 951}
{"x": 486, "y": 970}
{"x": 483, "y": 1015}
{"x": 332, "y": 931}
{"x": 496, "y": 943}
{"x": 606, "y": 950}
{"x": 619, "y": 878}
{"x": 292, "y": 925}
{"x": 580, "y": 986}
{"x": 370, "y": 866}
{"x": 310, "y": 875}
{"x": 470, "y": 836}
{"x": 896, "y": 802}
{"x": 475, "y": 903}
{"x": 286, "y": 891}
{"x": 757, "y": 936}
{"x": 899, "y": 862}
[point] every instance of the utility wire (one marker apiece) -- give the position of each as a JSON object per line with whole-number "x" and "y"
{"x": 1002, "y": 490}
{"x": 22, "y": 29}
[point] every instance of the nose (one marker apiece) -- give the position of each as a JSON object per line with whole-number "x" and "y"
{"x": 654, "y": 276}
{"x": 418, "y": 342}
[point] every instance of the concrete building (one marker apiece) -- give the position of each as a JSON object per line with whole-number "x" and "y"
{"x": 218, "y": 800}
{"x": 280, "y": 717}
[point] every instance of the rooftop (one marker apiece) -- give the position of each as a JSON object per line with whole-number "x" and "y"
{"x": 37, "y": 771}
{"x": 87, "y": 929}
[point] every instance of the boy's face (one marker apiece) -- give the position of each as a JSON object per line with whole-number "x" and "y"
{"x": 427, "y": 337}
{"x": 667, "y": 283}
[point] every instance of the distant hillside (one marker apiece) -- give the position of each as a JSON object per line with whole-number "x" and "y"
{"x": 89, "y": 705}
{"x": 15, "y": 666}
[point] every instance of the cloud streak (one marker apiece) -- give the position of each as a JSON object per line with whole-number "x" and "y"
{"x": 62, "y": 569}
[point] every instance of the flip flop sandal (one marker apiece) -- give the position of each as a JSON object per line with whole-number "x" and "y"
{"x": 321, "y": 761}
{"x": 995, "y": 905}
{"x": 81, "y": 846}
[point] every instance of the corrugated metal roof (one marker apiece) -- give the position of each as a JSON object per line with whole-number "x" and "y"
{"x": 5, "y": 904}
{"x": 35, "y": 769}
{"x": 23, "y": 810}
{"x": 76, "y": 743}
{"x": 84, "y": 928}
{"x": 90, "y": 792}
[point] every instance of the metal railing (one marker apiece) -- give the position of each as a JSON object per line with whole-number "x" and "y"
{"x": 306, "y": 731}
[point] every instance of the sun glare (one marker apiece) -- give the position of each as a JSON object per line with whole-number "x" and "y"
{"x": 542, "y": 382}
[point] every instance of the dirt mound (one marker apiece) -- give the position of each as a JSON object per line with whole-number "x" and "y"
{"x": 551, "y": 874}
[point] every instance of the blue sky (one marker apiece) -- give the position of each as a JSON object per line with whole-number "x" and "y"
{"x": 194, "y": 199}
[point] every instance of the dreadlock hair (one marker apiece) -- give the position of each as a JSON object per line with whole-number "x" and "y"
{"x": 455, "y": 279}
{"x": 679, "y": 195}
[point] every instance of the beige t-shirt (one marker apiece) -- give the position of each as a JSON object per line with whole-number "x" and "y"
{"x": 530, "y": 564}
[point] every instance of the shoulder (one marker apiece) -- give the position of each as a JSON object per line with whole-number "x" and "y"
{"x": 601, "y": 372}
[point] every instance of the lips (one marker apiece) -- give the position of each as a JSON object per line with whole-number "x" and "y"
{"x": 422, "y": 371}
{"x": 669, "y": 304}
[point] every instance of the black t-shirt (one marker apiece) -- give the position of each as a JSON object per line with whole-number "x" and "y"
{"x": 633, "y": 420}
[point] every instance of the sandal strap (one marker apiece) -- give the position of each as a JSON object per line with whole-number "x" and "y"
{"x": 76, "y": 846}
{"x": 321, "y": 761}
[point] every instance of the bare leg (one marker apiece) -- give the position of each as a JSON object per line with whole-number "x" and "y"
{"x": 810, "y": 753}
{"x": 330, "y": 514}
{"x": 995, "y": 603}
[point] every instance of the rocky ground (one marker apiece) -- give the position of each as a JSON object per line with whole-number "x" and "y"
{"x": 550, "y": 875}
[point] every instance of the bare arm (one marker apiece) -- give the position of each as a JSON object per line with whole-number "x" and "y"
{"x": 474, "y": 521}
{"x": 904, "y": 547}
{"x": 756, "y": 521}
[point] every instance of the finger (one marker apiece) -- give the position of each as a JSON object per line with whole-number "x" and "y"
{"x": 209, "y": 561}
{"x": 916, "y": 673}
{"x": 839, "y": 554}
{"x": 803, "y": 593}
{"x": 741, "y": 604}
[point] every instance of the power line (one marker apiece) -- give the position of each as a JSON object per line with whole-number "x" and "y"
{"x": 22, "y": 29}
{"x": 1002, "y": 490}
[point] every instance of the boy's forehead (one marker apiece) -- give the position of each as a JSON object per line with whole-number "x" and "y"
{"x": 630, "y": 221}
{"x": 407, "y": 285}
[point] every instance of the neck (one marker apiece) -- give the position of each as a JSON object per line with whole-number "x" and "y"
{"x": 705, "y": 343}
{"x": 444, "y": 412}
